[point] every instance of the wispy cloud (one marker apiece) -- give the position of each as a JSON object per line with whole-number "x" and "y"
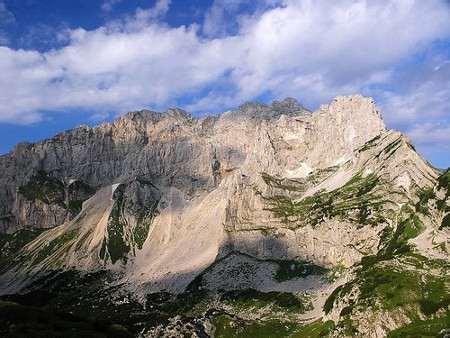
{"x": 143, "y": 18}
{"x": 4, "y": 38}
{"x": 6, "y": 16}
{"x": 107, "y": 5}
{"x": 312, "y": 50}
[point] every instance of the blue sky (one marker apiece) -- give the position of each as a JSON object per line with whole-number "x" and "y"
{"x": 70, "y": 62}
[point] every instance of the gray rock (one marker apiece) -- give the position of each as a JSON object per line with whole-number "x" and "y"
{"x": 275, "y": 182}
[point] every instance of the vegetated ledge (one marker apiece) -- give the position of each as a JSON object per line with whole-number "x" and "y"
{"x": 396, "y": 279}
{"x": 358, "y": 195}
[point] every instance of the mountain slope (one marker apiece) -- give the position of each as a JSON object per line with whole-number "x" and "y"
{"x": 326, "y": 200}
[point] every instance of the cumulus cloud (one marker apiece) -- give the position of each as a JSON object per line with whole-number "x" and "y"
{"x": 312, "y": 50}
{"x": 419, "y": 104}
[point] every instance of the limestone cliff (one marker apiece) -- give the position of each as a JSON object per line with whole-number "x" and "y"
{"x": 160, "y": 197}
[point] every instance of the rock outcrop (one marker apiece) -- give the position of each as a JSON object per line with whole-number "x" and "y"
{"x": 158, "y": 198}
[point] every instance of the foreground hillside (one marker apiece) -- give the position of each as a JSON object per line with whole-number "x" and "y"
{"x": 264, "y": 221}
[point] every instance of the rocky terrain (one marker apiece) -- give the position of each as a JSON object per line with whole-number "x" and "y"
{"x": 269, "y": 220}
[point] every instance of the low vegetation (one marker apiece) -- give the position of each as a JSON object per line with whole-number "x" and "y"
{"x": 47, "y": 188}
{"x": 357, "y": 201}
{"x": 44, "y": 187}
{"x": 29, "y": 321}
{"x": 11, "y": 244}
{"x": 370, "y": 144}
{"x": 118, "y": 249}
{"x": 396, "y": 279}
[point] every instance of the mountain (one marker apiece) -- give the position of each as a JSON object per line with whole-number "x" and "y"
{"x": 266, "y": 220}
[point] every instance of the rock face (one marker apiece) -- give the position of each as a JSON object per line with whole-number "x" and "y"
{"x": 161, "y": 197}
{"x": 221, "y": 158}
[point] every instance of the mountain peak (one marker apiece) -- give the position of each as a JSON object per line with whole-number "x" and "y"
{"x": 363, "y": 111}
{"x": 177, "y": 113}
{"x": 289, "y": 106}
{"x": 263, "y": 198}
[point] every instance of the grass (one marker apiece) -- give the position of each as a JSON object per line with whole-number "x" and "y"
{"x": 340, "y": 291}
{"x": 11, "y": 244}
{"x": 355, "y": 201}
{"x": 445, "y": 222}
{"x": 280, "y": 183}
{"x": 117, "y": 248}
{"x": 381, "y": 282}
{"x": 396, "y": 243}
{"x": 143, "y": 222}
{"x": 391, "y": 287}
{"x": 444, "y": 180}
{"x": 122, "y": 236}
{"x": 4, "y": 238}
{"x": 99, "y": 315}
{"x": 75, "y": 207}
{"x": 423, "y": 328}
{"x": 227, "y": 327}
{"x": 44, "y": 187}
{"x": 29, "y": 321}
{"x": 334, "y": 273}
{"x": 315, "y": 329}
{"x": 392, "y": 146}
{"x": 56, "y": 244}
{"x": 424, "y": 196}
{"x": 87, "y": 295}
{"x": 51, "y": 190}
{"x": 444, "y": 184}
{"x": 369, "y": 144}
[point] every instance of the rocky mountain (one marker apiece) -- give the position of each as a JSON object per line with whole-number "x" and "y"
{"x": 266, "y": 220}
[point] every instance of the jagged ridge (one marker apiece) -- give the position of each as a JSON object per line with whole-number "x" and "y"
{"x": 174, "y": 194}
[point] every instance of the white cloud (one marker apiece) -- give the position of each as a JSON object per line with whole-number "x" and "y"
{"x": 107, "y": 5}
{"x": 431, "y": 133}
{"x": 100, "y": 117}
{"x": 421, "y": 109}
{"x": 4, "y": 39}
{"x": 312, "y": 50}
{"x": 144, "y": 17}
{"x": 6, "y": 17}
{"x": 221, "y": 17}
{"x": 422, "y": 95}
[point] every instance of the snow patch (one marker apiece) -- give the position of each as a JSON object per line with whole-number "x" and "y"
{"x": 367, "y": 172}
{"x": 114, "y": 187}
{"x": 334, "y": 182}
{"x": 400, "y": 205}
{"x": 340, "y": 161}
{"x": 72, "y": 181}
{"x": 301, "y": 172}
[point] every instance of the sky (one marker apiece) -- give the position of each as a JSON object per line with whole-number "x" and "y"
{"x": 69, "y": 62}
